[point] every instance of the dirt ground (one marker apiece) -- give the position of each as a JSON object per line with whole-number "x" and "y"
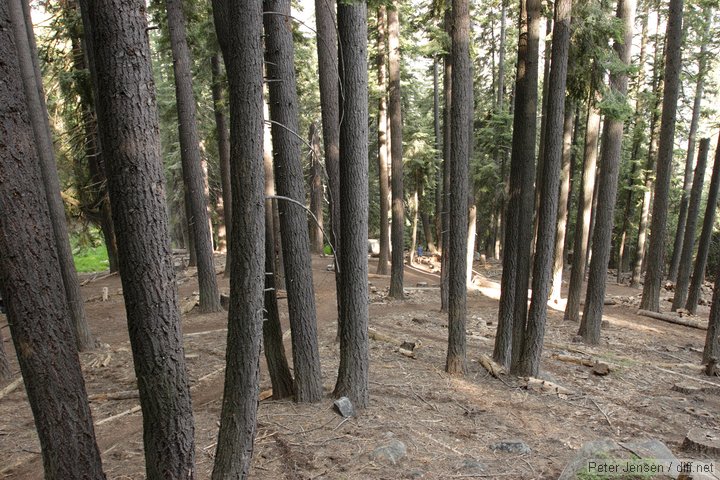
{"x": 448, "y": 424}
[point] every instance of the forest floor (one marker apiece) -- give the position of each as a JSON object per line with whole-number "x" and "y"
{"x": 451, "y": 426}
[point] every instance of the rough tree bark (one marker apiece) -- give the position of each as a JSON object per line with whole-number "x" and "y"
{"x": 607, "y": 187}
{"x": 445, "y": 237}
{"x": 353, "y": 372}
{"x": 315, "y": 225}
{"x": 397, "y": 263}
{"x": 239, "y": 31}
{"x": 283, "y": 102}
{"x": 712, "y": 346}
{"x": 28, "y": 257}
{"x": 383, "y": 261}
{"x": 128, "y": 123}
{"x": 656, "y": 252}
{"x": 529, "y": 360}
{"x": 223, "y": 140}
{"x": 193, "y": 175}
{"x": 688, "y": 243}
{"x": 24, "y": 40}
{"x": 698, "y": 276}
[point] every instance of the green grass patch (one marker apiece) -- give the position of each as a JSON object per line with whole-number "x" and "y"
{"x": 91, "y": 259}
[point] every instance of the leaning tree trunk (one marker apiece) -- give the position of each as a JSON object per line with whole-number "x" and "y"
{"x": 656, "y": 253}
{"x": 607, "y": 187}
{"x": 688, "y": 243}
{"x": 193, "y": 175}
{"x": 24, "y": 39}
{"x": 128, "y": 123}
{"x": 698, "y": 276}
{"x": 383, "y": 261}
{"x": 529, "y": 360}
{"x": 584, "y": 210}
{"x": 239, "y": 31}
{"x": 279, "y": 58}
{"x": 396, "y": 147}
{"x": 223, "y": 153}
{"x": 353, "y": 372}
{"x": 28, "y": 257}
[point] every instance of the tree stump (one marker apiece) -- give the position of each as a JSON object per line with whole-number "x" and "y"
{"x": 702, "y": 441}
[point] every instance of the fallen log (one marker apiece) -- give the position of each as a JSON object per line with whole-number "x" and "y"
{"x": 492, "y": 368}
{"x": 665, "y": 317}
{"x": 546, "y": 386}
{"x": 125, "y": 395}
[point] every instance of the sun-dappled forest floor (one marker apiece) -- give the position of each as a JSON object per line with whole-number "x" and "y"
{"x": 451, "y": 427}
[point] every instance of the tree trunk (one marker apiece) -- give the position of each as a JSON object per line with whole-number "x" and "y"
{"x": 471, "y": 236}
{"x": 239, "y": 32}
{"x": 223, "y": 139}
{"x": 396, "y": 146}
{"x": 712, "y": 346}
{"x": 445, "y": 239}
{"x": 414, "y": 205}
{"x": 315, "y": 225}
{"x": 529, "y": 363}
{"x": 329, "y": 100}
{"x": 127, "y": 118}
{"x": 193, "y": 176}
{"x": 383, "y": 261}
{"x": 28, "y": 257}
{"x": 688, "y": 243}
{"x": 280, "y": 376}
{"x": 427, "y": 230}
{"x": 562, "y": 214}
{"x": 24, "y": 40}
{"x": 461, "y": 119}
{"x": 582, "y": 221}
{"x": 683, "y": 216}
{"x": 607, "y": 187}
{"x": 279, "y": 57}
{"x": 656, "y": 252}
{"x": 438, "y": 159}
{"x": 518, "y": 219}
{"x": 353, "y": 372}
{"x": 698, "y": 276}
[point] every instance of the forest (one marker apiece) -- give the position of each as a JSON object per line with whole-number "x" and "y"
{"x": 359, "y": 239}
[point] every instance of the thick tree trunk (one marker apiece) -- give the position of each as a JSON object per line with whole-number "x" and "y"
{"x": 327, "y": 53}
{"x": 529, "y": 360}
{"x": 315, "y": 225}
{"x": 24, "y": 40}
{"x": 239, "y": 32}
{"x": 279, "y": 55}
{"x": 712, "y": 346}
{"x": 562, "y": 214}
{"x": 223, "y": 140}
{"x": 698, "y": 276}
{"x": 395, "y": 113}
{"x": 384, "y": 260}
{"x": 193, "y": 175}
{"x": 688, "y": 243}
{"x": 607, "y": 188}
{"x": 353, "y": 372}
{"x": 461, "y": 119}
{"x": 28, "y": 256}
{"x": 518, "y": 219}
{"x": 127, "y": 118}
{"x": 582, "y": 221}
{"x": 656, "y": 251}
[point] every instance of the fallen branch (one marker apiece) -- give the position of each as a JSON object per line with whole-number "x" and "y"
{"x": 492, "y": 368}
{"x": 119, "y": 415}
{"x": 546, "y": 386}
{"x": 10, "y": 388}
{"x": 700, "y": 380}
{"x": 206, "y": 332}
{"x": 576, "y": 360}
{"x": 125, "y": 395}
{"x": 381, "y": 337}
{"x": 673, "y": 319}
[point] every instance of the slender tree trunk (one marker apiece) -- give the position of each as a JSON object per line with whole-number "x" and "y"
{"x": 28, "y": 256}
{"x": 562, "y": 214}
{"x": 384, "y": 260}
{"x": 280, "y": 376}
{"x": 279, "y": 55}
{"x": 414, "y": 205}
{"x": 398, "y": 193}
{"x": 461, "y": 119}
{"x": 698, "y": 276}
{"x": 223, "y": 139}
{"x": 688, "y": 243}
{"x": 353, "y": 372}
{"x": 529, "y": 363}
{"x": 327, "y": 53}
{"x": 582, "y": 221}
{"x": 502, "y": 154}
{"x": 315, "y": 225}
{"x": 445, "y": 239}
{"x": 438, "y": 159}
{"x": 683, "y": 215}
{"x": 239, "y": 31}
{"x": 471, "y": 236}
{"x": 193, "y": 176}
{"x": 128, "y": 122}
{"x": 24, "y": 40}
{"x": 518, "y": 219}
{"x": 427, "y": 229}
{"x": 656, "y": 252}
